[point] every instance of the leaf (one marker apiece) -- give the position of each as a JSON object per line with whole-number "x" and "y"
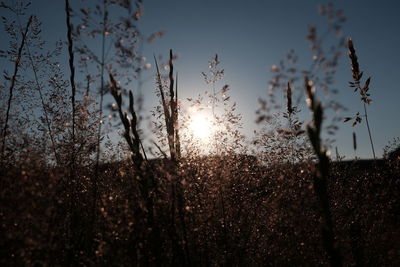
{"x": 347, "y": 119}
{"x": 131, "y": 102}
{"x": 225, "y": 88}
{"x": 84, "y": 11}
{"x": 367, "y": 82}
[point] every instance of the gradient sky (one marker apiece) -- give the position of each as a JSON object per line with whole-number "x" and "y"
{"x": 251, "y": 36}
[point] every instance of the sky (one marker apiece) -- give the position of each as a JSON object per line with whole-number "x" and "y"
{"x": 249, "y": 37}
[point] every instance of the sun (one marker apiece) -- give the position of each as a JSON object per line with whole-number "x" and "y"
{"x": 201, "y": 127}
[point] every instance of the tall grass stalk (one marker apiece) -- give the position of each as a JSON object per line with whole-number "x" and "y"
{"x": 147, "y": 181}
{"x": 173, "y": 106}
{"x": 73, "y": 217}
{"x": 177, "y": 139}
{"x": 369, "y": 130}
{"x": 95, "y": 177}
{"x": 72, "y": 70}
{"x": 357, "y": 75}
{"x": 12, "y": 85}
{"x": 170, "y": 109}
{"x": 46, "y": 116}
{"x": 337, "y": 154}
{"x": 290, "y": 110}
{"x": 171, "y": 116}
{"x": 355, "y": 145}
{"x": 322, "y": 174}
{"x": 102, "y": 68}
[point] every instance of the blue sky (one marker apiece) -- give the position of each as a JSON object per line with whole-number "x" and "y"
{"x": 251, "y": 36}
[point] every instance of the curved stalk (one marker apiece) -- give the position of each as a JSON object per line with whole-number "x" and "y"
{"x": 13, "y": 80}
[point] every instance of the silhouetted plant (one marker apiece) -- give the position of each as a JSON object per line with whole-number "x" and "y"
{"x": 211, "y": 202}
{"x": 11, "y": 88}
{"x": 322, "y": 174}
{"x": 355, "y": 145}
{"x": 276, "y": 143}
{"x": 146, "y": 179}
{"x": 365, "y": 96}
{"x": 170, "y": 109}
{"x": 322, "y": 69}
{"x": 226, "y": 121}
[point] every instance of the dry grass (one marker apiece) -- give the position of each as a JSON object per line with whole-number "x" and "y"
{"x": 322, "y": 175}
{"x": 365, "y": 96}
{"x": 279, "y": 201}
{"x": 11, "y": 89}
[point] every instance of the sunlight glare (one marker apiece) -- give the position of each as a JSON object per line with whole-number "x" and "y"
{"x": 201, "y": 127}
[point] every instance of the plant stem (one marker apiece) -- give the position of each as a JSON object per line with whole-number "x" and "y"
{"x": 46, "y": 116}
{"x": 95, "y": 177}
{"x": 13, "y": 80}
{"x": 101, "y": 85}
{"x": 321, "y": 177}
{"x": 72, "y": 185}
{"x": 72, "y": 70}
{"x": 369, "y": 131}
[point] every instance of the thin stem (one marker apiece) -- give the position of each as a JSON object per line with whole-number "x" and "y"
{"x": 369, "y": 131}
{"x": 321, "y": 176}
{"x": 367, "y": 122}
{"x": 13, "y": 80}
{"x": 72, "y": 181}
{"x": 72, "y": 70}
{"x": 101, "y": 85}
{"x": 87, "y": 85}
{"x": 95, "y": 178}
{"x": 213, "y": 100}
{"x": 177, "y": 139}
{"x": 171, "y": 126}
{"x": 43, "y": 106}
{"x": 34, "y": 69}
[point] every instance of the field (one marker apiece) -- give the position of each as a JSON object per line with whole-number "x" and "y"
{"x": 90, "y": 178}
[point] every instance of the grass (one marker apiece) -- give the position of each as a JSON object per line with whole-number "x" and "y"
{"x": 11, "y": 89}
{"x": 322, "y": 175}
{"x": 277, "y": 201}
{"x": 365, "y": 96}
